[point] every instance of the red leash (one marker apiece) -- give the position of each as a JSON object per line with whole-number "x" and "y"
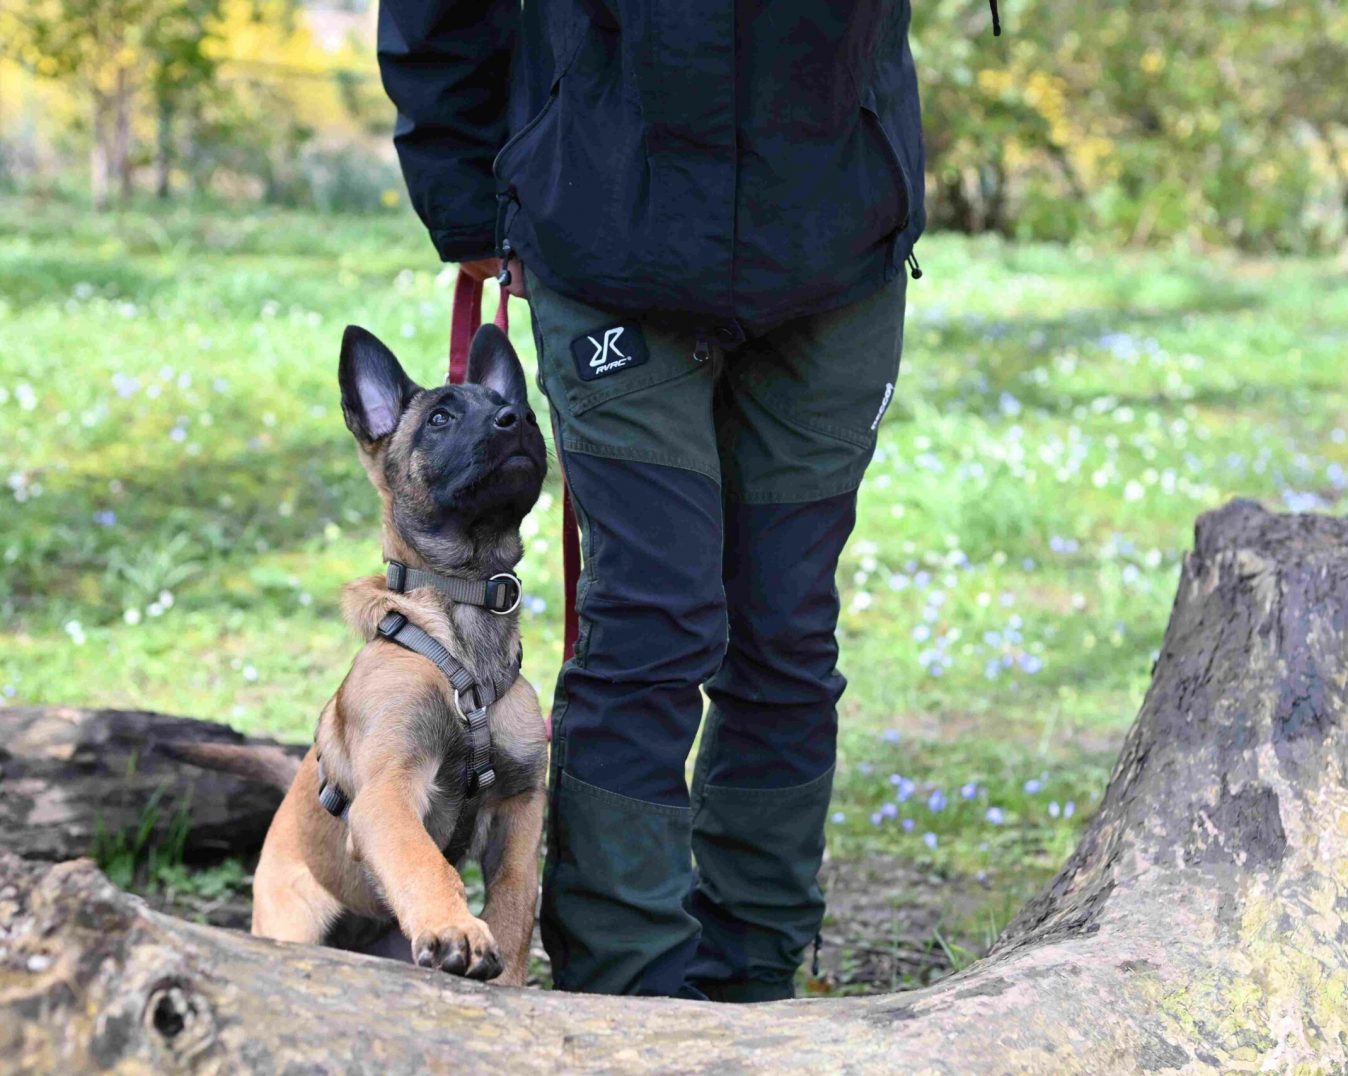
{"x": 466, "y": 318}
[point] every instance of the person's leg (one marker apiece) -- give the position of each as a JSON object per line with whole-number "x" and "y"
{"x": 797, "y": 414}
{"x": 633, "y": 418}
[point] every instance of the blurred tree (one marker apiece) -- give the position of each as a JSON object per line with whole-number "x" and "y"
{"x": 107, "y": 50}
{"x": 183, "y": 67}
{"x": 1219, "y": 122}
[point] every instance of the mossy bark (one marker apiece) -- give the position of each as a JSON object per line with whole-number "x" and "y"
{"x": 1202, "y": 924}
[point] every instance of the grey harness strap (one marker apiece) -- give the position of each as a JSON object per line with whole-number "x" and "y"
{"x": 499, "y": 594}
{"x": 470, "y": 698}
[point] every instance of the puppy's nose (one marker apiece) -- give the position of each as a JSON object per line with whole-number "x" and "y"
{"x": 508, "y": 416}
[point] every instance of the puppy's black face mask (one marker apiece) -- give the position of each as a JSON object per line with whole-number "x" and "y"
{"x": 454, "y": 462}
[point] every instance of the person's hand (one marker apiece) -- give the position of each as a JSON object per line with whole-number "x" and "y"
{"x": 487, "y": 268}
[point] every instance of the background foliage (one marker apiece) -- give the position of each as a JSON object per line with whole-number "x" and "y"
{"x": 1207, "y": 123}
{"x": 1211, "y": 122}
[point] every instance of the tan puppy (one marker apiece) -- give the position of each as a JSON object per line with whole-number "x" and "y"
{"x": 457, "y": 468}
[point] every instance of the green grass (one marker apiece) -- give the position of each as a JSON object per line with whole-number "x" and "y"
{"x": 182, "y": 502}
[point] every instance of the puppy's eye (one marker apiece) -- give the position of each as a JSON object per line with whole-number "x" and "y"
{"x": 438, "y": 417}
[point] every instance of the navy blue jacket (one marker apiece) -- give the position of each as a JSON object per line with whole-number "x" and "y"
{"x": 738, "y": 162}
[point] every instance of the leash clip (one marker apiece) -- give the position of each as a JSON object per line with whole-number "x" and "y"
{"x": 499, "y": 597}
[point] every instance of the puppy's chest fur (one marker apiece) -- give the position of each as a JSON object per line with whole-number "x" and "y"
{"x": 396, "y": 708}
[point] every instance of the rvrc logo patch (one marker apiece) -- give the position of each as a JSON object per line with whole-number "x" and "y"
{"x": 608, "y": 350}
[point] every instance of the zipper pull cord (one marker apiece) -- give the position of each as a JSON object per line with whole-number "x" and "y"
{"x": 814, "y": 960}
{"x": 701, "y": 350}
{"x": 996, "y": 19}
{"x": 913, "y": 267}
{"x": 502, "y": 243}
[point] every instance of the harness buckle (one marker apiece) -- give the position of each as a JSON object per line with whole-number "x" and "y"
{"x": 504, "y": 593}
{"x": 392, "y": 624}
{"x": 478, "y": 707}
{"x": 397, "y": 576}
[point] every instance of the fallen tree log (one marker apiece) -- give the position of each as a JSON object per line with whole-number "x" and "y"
{"x": 68, "y": 774}
{"x": 1202, "y": 924}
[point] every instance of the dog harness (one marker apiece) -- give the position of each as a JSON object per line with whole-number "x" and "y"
{"x": 501, "y": 594}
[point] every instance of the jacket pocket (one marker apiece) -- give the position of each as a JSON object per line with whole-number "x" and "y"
{"x": 501, "y": 163}
{"x": 870, "y": 116}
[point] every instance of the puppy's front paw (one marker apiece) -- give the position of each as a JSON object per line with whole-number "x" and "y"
{"x": 463, "y": 947}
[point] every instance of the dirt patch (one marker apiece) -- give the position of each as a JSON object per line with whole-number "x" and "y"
{"x": 892, "y": 926}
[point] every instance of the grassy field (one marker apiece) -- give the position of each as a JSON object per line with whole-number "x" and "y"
{"x": 182, "y": 502}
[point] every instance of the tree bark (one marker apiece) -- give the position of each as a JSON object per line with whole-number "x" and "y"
{"x": 67, "y": 774}
{"x": 121, "y": 142}
{"x": 100, "y": 153}
{"x": 163, "y": 153}
{"x": 1202, "y": 924}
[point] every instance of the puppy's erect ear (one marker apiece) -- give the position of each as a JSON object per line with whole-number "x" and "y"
{"x": 375, "y": 391}
{"x": 493, "y": 364}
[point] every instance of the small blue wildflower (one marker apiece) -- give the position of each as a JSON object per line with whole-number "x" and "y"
{"x": 936, "y": 801}
{"x": 1069, "y": 809}
{"x": 890, "y": 810}
{"x": 1033, "y": 785}
{"x": 907, "y": 825}
{"x": 838, "y": 818}
{"x": 106, "y": 518}
{"x": 969, "y": 791}
{"x": 1053, "y": 809}
{"x": 876, "y": 819}
{"x": 929, "y": 839}
{"x": 890, "y": 735}
{"x": 995, "y": 816}
{"x": 906, "y": 788}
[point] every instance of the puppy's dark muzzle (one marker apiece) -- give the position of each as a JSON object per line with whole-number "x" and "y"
{"x": 512, "y": 415}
